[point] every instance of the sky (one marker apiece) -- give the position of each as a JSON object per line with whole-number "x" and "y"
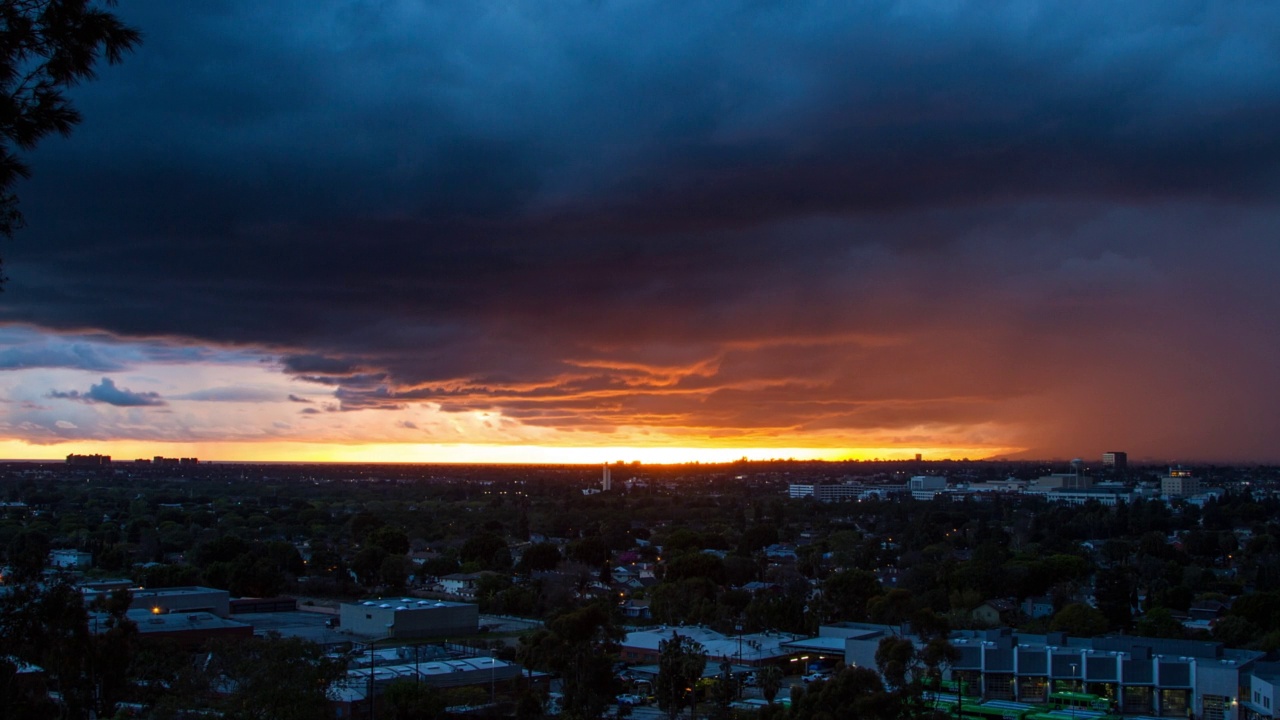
{"x": 596, "y": 230}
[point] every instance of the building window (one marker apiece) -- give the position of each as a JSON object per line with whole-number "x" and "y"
{"x": 1033, "y": 689}
{"x": 1215, "y": 707}
{"x": 969, "y": 680}
{"x": 1136, "y": 700}
{"x": 1000, "y": 687}
{"x": 1173, "y": 702}
{"x": 1103, "y": 690}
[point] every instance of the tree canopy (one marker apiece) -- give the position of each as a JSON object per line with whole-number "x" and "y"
{"x": 47, "y": 47}
{"x": 681, "y": 660}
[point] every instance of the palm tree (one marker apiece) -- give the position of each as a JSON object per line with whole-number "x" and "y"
{"x": 770, "y": 678}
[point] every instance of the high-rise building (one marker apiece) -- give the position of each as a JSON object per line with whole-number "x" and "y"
{"x": 1117, "y": 460}
{"x": 606, "y": 481}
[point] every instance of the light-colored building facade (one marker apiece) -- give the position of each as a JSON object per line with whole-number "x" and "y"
{"x": 1103, "y": 495}
{"x": 838, "y": 492}
{"x": 1179, "y": 483}
{"x": 71, "y": 559}
{"x": 926, "y": 487}
{"x": 1258, "y": 696}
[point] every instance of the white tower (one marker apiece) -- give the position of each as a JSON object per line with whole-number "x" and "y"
{"x": 606, "y": 482}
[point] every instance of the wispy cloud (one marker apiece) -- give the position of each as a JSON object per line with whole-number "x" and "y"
{"x": 231, "y": 394}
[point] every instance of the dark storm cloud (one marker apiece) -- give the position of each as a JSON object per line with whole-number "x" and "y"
{"x": 305, "y": 364}
{"x": 351, "y": 381}
{"x": 78, "y": 356}
{"x": 699, "y": 215}
{"x": 107, "y": 392}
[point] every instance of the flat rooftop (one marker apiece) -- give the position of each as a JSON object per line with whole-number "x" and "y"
{"x": 409, "y": 603}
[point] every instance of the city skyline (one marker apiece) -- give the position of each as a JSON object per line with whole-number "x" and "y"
{"x": 600, "y": 231}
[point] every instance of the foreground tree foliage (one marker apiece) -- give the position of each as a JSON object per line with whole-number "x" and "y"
{"x": 770, "y": 677}
{"x": 580, "y": 645}
{"x": 853, "y": 692}
{"x": 47, "y": 47}
{"x": 681, "y": 661}
{"x": 92, "y": 660}
{"x": 48, "y": 627}
{"x": 409, "y": 700}
{"x": 275, "y": 678}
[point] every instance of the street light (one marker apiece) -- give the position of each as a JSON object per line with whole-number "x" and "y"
{"x": 372, "y": 662}
{"x": 1074, "y": 674}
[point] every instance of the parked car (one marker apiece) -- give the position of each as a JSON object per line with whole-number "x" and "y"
{"x": 814, "y": 676}
{"x": 630, "y": 699}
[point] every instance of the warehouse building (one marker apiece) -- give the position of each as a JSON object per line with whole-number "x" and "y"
{"x": 410, "y": 618}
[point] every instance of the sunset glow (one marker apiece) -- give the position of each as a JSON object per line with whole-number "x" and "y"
{"x": 462, "y": 453}
{"x": 525, "y": 232}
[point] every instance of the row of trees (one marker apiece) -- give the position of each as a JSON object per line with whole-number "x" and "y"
{"x": 91, "y": 659}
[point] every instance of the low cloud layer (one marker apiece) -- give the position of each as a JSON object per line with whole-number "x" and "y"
{"x": 107, "y": 392}
{"x": 1044, "y": 225}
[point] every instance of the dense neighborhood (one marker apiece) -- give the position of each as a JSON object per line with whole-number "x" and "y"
{"x": 175, "y": 588}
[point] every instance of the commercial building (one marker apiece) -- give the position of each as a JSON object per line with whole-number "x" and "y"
{"x": 826, "y": 492}
{"x": 842, "y": 492}
{"x": 71, "y": 559}
{"x": 370, "y": 675}
{"x": 926, "y": 487}
{"x": 410, "y": 618}
{"x": 163, "y": 601}
{"x": 1109, "y": 495}
{"x": 1138, "y": 675}
{"x": 754, "y": 650}
{"x": 1179, "y": 483}
{"x": 191, "y": 629}
{"x": 1258, "y": 697}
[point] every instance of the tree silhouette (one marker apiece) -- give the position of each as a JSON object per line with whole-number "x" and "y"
{"x": 47, "y": 47}
{"x": 770, "y": 677}
{"x": 681, "y": 661}
{"x": 581, "y": 646}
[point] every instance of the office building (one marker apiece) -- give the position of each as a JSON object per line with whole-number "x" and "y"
{"x": 1179, "y": 483}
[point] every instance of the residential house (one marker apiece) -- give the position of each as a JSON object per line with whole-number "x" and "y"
{"x": 993, "y": 613}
